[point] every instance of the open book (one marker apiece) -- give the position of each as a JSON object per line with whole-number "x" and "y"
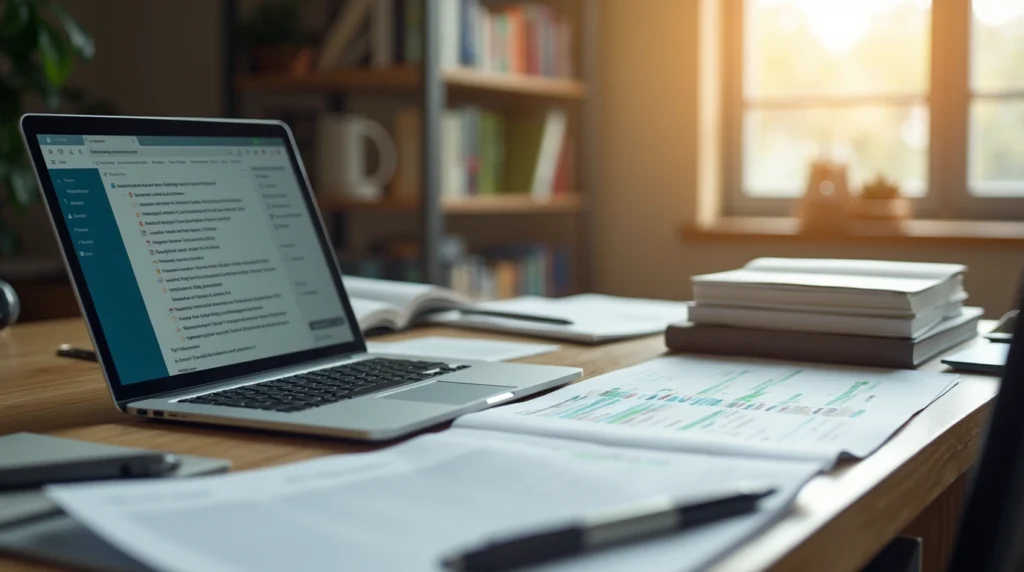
{"x": 588, "y": 318}
{"x": 393, "y": 305}
{"x": 673, "y": 427}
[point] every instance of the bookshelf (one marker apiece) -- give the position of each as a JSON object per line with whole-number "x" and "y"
{"x": 434, "y": 88}
{"x": 409, "y": 79}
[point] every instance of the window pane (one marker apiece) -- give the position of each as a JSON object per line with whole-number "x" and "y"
{"x": 836, "y": 46}
{"x": 997, "y": 148}
{"x": 997, "y": 61}
{"x": 779, "y": 145}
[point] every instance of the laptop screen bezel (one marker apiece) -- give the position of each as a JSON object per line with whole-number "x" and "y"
{"x": 34, "y": 125}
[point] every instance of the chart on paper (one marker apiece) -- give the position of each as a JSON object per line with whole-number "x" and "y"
{"x": 747, "y": 402}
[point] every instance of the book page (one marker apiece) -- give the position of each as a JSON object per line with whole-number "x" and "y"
{"x": 412, "y": 298}
{"x": 406, "y": 507}
{"x": 376, "y": 314}
{"x": 739, "y": 406}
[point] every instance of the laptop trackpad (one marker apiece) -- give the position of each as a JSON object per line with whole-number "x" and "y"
{"x": 448, "y": 393}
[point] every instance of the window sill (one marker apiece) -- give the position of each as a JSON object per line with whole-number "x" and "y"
{"x": 931, "y": 232}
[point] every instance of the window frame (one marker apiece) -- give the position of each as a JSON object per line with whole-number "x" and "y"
{"x": 948, "y": 100}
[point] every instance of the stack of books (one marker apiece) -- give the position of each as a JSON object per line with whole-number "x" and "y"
{"x": 858, "y": 312}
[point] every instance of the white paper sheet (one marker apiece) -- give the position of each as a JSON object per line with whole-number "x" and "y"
{"x": 738, "y": 406}
{"x": 406, "y": 507}
{"x": 594, "y": 317}
{"x": 461, "y": 348}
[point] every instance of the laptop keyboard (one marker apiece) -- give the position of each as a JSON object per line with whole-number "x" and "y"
{"x": 325, "y": 386}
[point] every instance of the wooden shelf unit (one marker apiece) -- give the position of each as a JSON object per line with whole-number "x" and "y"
{"x": 436, "y": 87}
{"x": 409, "y": 79}
{"x": 479, "y": 205}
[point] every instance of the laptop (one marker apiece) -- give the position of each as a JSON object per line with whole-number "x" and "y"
{"x": 212, "y": 293}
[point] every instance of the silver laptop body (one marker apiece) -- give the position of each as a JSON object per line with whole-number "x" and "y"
{"x": 160, "y": 223}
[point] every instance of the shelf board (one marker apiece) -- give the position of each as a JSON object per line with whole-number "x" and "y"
{"x": 408, "y": 78}
{"x": 496, "y": 204}
{"x": 514, "y": 84}
{"x": 393, "y": 79}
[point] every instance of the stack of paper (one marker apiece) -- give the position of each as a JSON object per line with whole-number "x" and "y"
{"x": 905, "y": 313}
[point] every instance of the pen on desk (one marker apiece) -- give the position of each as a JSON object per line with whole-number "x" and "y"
{"x": 517, "y": 316}
{"x": 69, "y": 351}
{"x": 617, "y": 525}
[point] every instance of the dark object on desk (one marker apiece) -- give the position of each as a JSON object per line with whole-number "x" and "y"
{"x": 828, "y": 348}
{"x": 70, "y": 351}
{"x": 617, "y": 525}
{"x": 33, "y": 526}
{"x": 903, "y": 554}
{"x": 10, "y": 306}
{"x": 31, "y": 460}
{"x": 986, "y": 357}
{"x": 991, "y": 534}
{"x": 1003, "y": 332}
{"x": 516, "y": 316}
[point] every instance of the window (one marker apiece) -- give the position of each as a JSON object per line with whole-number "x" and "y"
{"x": 927, "y": 93}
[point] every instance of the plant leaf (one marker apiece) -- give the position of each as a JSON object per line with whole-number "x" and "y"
{"x": 23, "y": 186}
{"x": 10, "y": 243}
{"x": 81, "y": 41}
{"x": 16, "y": 15}
{"x": 55, "y": 54}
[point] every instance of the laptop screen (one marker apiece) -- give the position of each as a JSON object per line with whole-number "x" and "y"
{"x": 198, "y": 252}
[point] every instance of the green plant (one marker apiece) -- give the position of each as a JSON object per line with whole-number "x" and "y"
{"x": 39, "y": 43}
{"x": 880, "y": 189}
{"x": 274, "y": 23}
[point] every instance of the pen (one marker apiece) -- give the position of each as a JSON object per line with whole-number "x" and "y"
{"x": 517, "y": 316}
{"x": 616, "y": 525}
{"x": 69, "y": 351}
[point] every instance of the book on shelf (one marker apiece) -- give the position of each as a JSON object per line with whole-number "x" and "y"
{"x": 485, "y": 153}
{"x": 512, "y": 271}
{"x": 343, "y": 32}
{"x": 519, "y": 38}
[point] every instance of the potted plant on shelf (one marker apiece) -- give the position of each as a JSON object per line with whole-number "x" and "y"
{"x": 39, "y": 44}
{"x": 881, "y": 203}
{"x": 275, "y": 39}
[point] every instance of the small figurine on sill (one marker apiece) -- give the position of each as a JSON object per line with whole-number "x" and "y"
{"x": 881, "y": 205}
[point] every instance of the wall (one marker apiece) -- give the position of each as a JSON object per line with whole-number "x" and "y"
{"x": 647, "y": 170}
{"x": 152, "y": 58}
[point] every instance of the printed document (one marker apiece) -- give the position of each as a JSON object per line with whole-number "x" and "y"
{"x": 407, "y": 507}
{"x": 728, "y": 406}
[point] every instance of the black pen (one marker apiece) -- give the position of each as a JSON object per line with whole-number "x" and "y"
{"x": 517, "y": 316}
{"x": 70, "y": 351}
{"x": 616, "y": 525}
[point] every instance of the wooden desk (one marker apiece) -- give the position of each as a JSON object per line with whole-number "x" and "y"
{"x": 914, "y": 483}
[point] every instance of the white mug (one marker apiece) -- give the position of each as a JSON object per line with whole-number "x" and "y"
{"x": 341, "y": 154}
